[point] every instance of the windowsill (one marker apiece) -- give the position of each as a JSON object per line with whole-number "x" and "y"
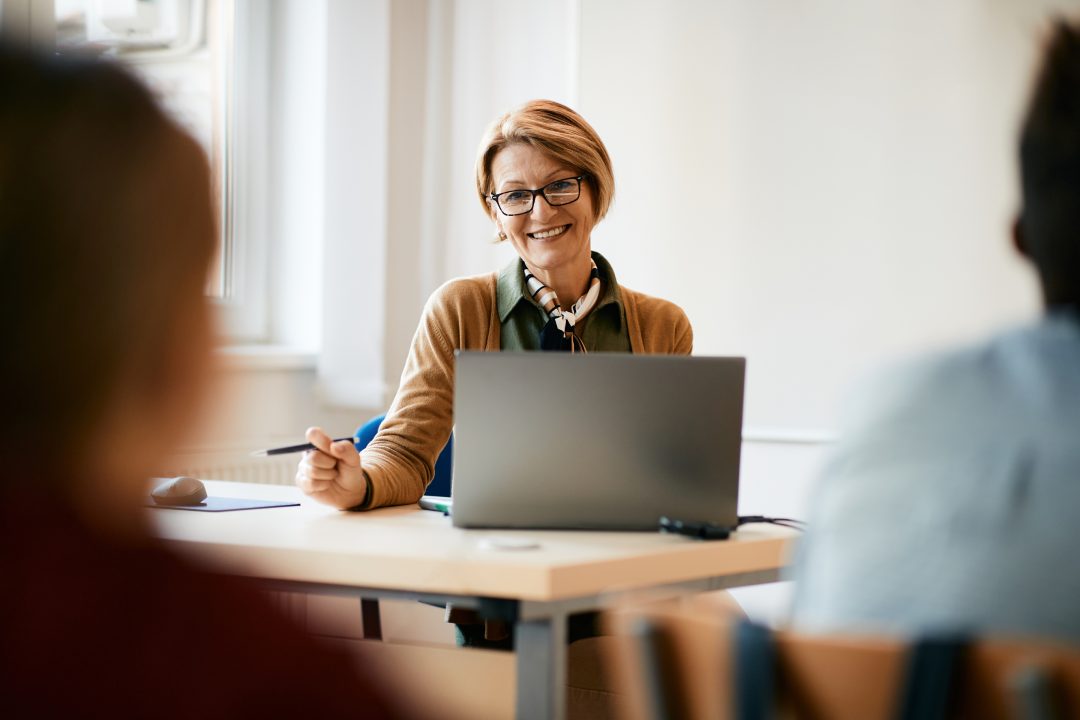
{"x": 266, "y": 357}
{"x": 771, "y": 435}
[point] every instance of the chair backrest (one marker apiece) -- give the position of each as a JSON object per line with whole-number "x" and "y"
{"x": 444, "y": 465}
{"x": 684, "y": 663}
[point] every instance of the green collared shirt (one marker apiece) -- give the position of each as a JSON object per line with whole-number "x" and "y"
{"x": 522, "y": 319}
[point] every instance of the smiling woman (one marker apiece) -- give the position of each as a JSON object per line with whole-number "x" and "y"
{"x": 544, "y": 177}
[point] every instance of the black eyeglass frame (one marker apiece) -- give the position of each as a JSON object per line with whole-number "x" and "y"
{"x": 539, "y": 191}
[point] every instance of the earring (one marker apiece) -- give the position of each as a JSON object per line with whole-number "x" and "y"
{"x": 500, "y": 236}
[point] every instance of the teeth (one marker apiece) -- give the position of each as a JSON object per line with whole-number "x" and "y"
{"x": 549, "y": 233}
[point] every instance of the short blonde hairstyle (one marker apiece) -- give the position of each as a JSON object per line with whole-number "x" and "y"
{"x": 558, "y": 132}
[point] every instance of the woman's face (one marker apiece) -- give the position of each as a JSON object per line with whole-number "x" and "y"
{"x": 547, "y": 238}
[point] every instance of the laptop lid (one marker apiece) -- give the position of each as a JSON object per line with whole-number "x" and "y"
{"x": 595, "y": 441}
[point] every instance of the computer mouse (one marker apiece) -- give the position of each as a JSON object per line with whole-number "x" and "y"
{"x": 181, "y": 490}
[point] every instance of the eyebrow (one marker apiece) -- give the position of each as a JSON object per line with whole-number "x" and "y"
{"x": 551, "y": 177}
{"x": 562, "y": 175}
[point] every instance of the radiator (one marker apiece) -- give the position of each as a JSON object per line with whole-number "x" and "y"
{"x": 271, "y": 470}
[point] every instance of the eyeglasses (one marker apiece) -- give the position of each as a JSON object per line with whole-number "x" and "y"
{"x": 559, "y": 192}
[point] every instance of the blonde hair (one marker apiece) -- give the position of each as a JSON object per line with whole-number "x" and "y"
{"x": 558, "y": 132}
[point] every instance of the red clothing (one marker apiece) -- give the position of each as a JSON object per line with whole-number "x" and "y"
{"x": 90, "y": 626}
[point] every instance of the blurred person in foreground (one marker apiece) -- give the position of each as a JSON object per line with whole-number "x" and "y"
{"x": 106, "y": 239}
{"x": 952, "y": 504}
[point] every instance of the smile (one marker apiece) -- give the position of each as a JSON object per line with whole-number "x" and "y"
{"x": 547, "y": 234}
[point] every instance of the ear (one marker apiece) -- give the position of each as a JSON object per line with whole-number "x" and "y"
{"x": 1018, "y": 239}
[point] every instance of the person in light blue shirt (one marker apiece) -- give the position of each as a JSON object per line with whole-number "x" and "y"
{"x": 953, "y": 501}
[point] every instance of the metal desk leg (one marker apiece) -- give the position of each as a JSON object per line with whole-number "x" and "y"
{"x": 540, "y": 646}
{"x": 370, "y": 619}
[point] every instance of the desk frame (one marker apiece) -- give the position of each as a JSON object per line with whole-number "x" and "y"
{"x": 539, "y": 627}
{"x": 276, "y": 548}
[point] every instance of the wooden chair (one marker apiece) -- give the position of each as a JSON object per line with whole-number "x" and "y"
{"x": 680, "y": 663}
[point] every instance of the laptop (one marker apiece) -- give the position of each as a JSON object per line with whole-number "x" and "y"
{"x": 605, "y": 441}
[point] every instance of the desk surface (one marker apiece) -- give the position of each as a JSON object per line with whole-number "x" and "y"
{"x": 420, "y": 551}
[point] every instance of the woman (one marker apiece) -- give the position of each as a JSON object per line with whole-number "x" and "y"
{"x": 544, "y": 178}
{"x": 107, "y": 236}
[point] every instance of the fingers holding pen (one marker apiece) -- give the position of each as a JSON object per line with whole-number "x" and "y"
{"x": 318, "y": 466}
{"x": 309, "y": 484}
{"x": 318, "y": 437}
{"x": 331, "y": 451}
{"x": 319, "y": 460}
{"x": 345, "y": 451}
{"x": 331, "y": 472}
{"x": 317, "y": 469}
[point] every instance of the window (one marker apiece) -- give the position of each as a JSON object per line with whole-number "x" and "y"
{"x": 189, "y": 54}
{"x": 173, "y": 46}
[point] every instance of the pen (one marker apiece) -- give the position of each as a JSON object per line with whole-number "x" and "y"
{"x": 295, "y": 448}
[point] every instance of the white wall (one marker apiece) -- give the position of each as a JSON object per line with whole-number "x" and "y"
{"x": 823, "y": 186}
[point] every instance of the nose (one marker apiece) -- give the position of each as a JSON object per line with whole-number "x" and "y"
{"x": 541, "y": 209}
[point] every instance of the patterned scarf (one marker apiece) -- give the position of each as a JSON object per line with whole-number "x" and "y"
{"x": 558, "y": 334}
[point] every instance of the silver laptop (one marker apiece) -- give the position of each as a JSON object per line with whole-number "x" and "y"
{"x": 600, "y": 441}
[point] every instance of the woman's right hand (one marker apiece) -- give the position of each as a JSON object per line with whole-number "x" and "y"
{"x": 332, "y": 473}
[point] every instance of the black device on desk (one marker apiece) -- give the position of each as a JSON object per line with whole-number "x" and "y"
{"x": 699, "y": 530}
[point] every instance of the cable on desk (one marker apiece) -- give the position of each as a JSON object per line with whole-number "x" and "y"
{"x": 792, "y": 523}
{"x": 712, "y": 531}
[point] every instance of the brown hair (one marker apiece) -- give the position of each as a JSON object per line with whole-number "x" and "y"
{"x": 1050, "y": 168}
{"x": 560, "y": 133}
{"x": 106, "y": 235}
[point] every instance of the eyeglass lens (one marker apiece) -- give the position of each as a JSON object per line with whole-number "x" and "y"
{"x": 560, "y": 192}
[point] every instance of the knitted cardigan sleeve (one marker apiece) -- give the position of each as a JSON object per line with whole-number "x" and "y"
{"x": 400, "y": 461}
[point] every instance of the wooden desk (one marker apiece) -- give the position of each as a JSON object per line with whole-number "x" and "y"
{"x": 405, "y": 552}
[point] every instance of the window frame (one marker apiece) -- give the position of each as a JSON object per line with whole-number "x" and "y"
{"x": 241, "y": 128}
{"x": 244, "y": 192}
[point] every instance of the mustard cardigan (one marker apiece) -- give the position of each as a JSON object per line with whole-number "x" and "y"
{"x": 462, "y": 315}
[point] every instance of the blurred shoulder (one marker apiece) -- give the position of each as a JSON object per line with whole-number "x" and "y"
{"x": 942, "y": 402}
{"x": 1016, "y": 364}
{"x": 910, "y": 392}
